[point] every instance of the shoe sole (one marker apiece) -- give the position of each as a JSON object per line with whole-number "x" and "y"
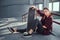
{"x": 10, "y": 30}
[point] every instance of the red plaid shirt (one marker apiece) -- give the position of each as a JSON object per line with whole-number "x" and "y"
{"x": 46, "y": 21}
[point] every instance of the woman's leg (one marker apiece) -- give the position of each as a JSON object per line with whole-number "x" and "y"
{"x": 21, "y": 30}
{"x": 12, "y": 30}
{"x": 33, "y": 27}
{"x": 40, "y": 28}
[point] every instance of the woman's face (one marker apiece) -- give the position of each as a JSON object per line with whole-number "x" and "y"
{"x": 46, "y": 12}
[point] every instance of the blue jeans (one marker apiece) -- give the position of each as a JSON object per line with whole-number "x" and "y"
{"x": 35, "y": 24}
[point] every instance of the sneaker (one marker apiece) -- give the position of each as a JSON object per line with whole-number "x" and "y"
{"x": 27, "y": 35}
{"x": 10, "y": 29}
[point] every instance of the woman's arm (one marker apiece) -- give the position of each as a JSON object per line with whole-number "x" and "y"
{"x": 48, "y": 23}
{"x": 39, "y": 13}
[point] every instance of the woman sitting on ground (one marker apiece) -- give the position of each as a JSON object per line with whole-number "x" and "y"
{"x": 43, "y": 27}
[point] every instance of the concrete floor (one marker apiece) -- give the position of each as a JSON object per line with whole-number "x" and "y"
{"x": 12, "y": 22}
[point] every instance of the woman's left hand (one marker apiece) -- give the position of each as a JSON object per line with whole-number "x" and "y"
{"x": 45, "y": 27}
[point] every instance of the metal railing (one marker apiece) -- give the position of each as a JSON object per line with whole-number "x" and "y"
{"x": 24, "y": 17}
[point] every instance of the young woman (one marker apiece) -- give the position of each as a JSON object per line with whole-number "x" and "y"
{"x": 43, "y": 27}
{"x": 46, "y": 20}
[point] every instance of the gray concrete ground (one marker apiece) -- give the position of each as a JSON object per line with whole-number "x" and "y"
{"x": 6, "y": 35}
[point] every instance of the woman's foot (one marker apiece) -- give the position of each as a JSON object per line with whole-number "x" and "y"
{"x": 10, "y": 29}
{"x": 26, "y": 34}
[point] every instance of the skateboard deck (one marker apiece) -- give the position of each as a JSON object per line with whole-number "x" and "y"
{"x": 31, "y": 15}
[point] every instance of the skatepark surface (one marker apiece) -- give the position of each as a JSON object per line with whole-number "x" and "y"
{"x": 5, "y": 34}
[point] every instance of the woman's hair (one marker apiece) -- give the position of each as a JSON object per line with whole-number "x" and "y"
{"x": 45, "y": 8}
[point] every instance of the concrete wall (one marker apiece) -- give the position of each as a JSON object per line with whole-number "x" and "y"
{"x": 13, "y": 11}
{"x": 13, "y": 8}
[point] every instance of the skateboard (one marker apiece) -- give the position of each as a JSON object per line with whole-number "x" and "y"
{"x": 31, "y": 16}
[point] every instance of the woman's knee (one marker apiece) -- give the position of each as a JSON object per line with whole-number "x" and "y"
{"x": 36, "y": 20}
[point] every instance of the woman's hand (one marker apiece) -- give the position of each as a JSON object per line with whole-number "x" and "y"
{"x": 45, "y": 27}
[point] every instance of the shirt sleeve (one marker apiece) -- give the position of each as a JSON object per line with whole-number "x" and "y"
{"x": 40, "y": 13}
